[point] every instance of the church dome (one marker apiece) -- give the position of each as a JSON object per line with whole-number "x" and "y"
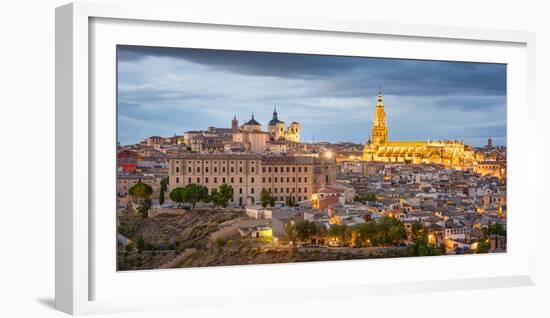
{"x": 252, "y": 121}
{"x": 275, "y": 120}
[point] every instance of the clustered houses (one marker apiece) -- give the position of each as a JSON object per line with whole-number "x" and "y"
{"x": 249, "y": 174}
{"x": 452, "y": 189}
{"x": 453, "y": 205}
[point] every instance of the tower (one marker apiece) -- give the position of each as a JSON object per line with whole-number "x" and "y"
{"x": 235, "y": 123}
{"x": 294, "y": 131}
{"x": 379, "y": 126}
{"x": 276, "y": 127}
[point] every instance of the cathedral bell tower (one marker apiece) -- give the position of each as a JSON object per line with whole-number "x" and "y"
{"x": 379, "y": 126}
{"x": 235, "y": 124}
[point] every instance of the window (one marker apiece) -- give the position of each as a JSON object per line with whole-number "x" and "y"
{"x": 252, "y": 169}
{"x": 240, "y": 180}
{"x": 177, "y": 180}
{"x": 287, "y": 179}
{"x": 177, "y": 169}
{"x": 305, "y": 169}
{"x": 189, "y": 169}
{"x": 206, "y": 169}
{"x": 305, "y": 179}
{"x": 206, "y": 180}
{"x": 263, "y": 179}
{"x": 269, "y": 169}
{"x": 240, "y": 169}
{"x": 275, "y": 190}
{"x": 282, "y": 190}
{"x": 232, "y": 180}
{"x": 198, "y": 180}
{"x": 275, "y": 169}
{"x": 269, "y": 179}
{"x": 232, "y": 170}
{"x": 299, "y": 179}
{"x": 299, "y": 169}
{"x": 198, "y": 169}
{"x": 215, "y": 169}
{"x": 215, "y": 180}
{"x": 305, "y": 190}
{"x": 299, "y": 190}
{"x": 293, "y": 179}
{"x": 287, "y": 169}
{"x": 252, "y": 190}
{"x": 263, "y": 169}
{"x": 251, "y": 180}
{"x": 293, "y": 169}
{"x": 275, "y": 179}
{"x": 223, "y": 169}
{"x": 241, "y": 190}
{"x": 223, "y": 180}
{"x": 189, "y": 180}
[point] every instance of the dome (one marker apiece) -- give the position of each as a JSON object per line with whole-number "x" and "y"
{"x": 275, "y": 120}
{"x": 252, "y": 121}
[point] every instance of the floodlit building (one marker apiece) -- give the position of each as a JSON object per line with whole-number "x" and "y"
{"x": 453, "y": 153}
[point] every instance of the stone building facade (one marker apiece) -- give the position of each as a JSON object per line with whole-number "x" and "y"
{"x": 286, "y": 177}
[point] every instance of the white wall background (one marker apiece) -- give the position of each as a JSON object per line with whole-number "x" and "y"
{"x": 27, "y": 157}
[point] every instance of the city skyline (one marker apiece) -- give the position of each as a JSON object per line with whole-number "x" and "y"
{"x": 166, "y": 91}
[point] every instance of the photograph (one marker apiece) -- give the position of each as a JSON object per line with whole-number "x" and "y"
{"x": 228, "y": 157}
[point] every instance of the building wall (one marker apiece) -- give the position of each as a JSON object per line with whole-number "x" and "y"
{"x": 285, "y": 177}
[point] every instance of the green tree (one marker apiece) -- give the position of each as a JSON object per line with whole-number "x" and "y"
{"x": 177, "y": 195}
{"x": 140, "y": 243}
{"x": 144, "y": 206}
{"x": 291, "y": 233}
{"x": 164, "y": 184}
{"x": 291, "y": 202}
{"x": 340, "y": 231}
{"x": 371, "y": 197}
{"x": 305, "y": 230}
{"x": 266, "y": 198}
{"x": 398, "y": 233}
{"x": 482, "y": 247}
{"x": 161, "y": 196}
{"x": 421, "y": 245}
{"x": 140, "y": 190}
{"x": 222, "y": 196}
{"x": 142, "y": 193}
{"x": 194, "y": 193}
{"x": 367, "y": 233}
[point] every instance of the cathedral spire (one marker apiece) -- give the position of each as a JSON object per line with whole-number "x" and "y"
{"x": 380, "y": 103}
{"x": 379, "y": 127}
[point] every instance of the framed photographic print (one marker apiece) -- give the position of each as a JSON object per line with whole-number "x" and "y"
{"x": 250, "y": 157}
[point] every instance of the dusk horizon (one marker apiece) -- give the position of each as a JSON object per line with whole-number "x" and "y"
{"x": 167, "y": 91}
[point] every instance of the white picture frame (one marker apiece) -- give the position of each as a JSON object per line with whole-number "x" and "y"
{"x": 85, "y": 35}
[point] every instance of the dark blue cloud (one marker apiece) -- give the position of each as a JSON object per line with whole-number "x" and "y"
{"x": 184, "y": 89}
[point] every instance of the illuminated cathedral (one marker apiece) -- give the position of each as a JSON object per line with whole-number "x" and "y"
{"x": 452, "y": 153}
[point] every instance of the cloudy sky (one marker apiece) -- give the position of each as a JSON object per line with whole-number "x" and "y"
{"x": 166, "y": 91}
